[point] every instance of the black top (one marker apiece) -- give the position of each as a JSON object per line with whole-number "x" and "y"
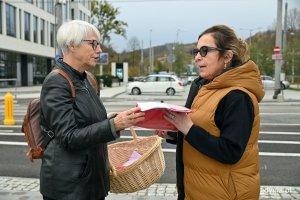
{"x": 234, "y": 117}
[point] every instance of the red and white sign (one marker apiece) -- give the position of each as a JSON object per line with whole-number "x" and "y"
{"x": 277, "y": 55}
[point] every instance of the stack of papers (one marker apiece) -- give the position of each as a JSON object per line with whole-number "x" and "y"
{"x": 154, "y": 112}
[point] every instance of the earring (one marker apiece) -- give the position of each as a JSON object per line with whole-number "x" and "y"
{"x": 225, "y": 65}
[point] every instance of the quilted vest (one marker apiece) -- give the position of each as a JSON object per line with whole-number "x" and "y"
{"x": 206, "y": 178}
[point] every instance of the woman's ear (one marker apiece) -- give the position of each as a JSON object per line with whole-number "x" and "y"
{"x": 71, "y": 48}
{"x": 228, "y": 56}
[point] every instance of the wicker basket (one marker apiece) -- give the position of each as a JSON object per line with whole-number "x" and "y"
{"x": 144, "y": 171}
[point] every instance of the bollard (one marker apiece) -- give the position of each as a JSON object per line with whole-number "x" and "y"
{"x": 9, "y": 109}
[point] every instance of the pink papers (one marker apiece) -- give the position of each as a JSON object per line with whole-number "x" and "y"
{"x": 154, "y": 112}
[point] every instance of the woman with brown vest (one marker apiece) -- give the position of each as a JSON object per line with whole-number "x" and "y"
{"x": 217, "y": 143}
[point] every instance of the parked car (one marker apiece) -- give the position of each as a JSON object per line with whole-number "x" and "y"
{"x": 269, "y": 82}
{"x": 156, "y": 83}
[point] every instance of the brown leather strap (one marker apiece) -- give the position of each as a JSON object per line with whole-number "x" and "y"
{"x": 64, "y": 74}
{"x": 93, "y": 81}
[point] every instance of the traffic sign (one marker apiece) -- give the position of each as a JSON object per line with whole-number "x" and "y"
{"x": 277, "y": 56}
{"x": 276, "y": 49}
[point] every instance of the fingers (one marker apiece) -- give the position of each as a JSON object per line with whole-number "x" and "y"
{"x": 170, "y": 116}
{"x": 128, "y": 118}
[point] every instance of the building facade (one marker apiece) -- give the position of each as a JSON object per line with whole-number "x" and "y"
{"x": 27, "y": 37}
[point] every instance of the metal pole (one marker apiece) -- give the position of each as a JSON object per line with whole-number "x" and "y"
{"x": 142, "y": 60}
{"x": 278, "y": 62}
{"x": 150, "y": 53}
{"x": 293, "y": 66}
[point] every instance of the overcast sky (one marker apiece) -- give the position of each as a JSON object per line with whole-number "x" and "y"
{"x": 184, "y": 20}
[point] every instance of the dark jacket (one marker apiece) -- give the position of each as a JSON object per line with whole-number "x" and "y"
{"x": 75, "y": 163}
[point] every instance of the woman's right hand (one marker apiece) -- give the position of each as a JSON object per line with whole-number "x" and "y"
{"x": 163, "y": 134}
{"x": 128, "y": 118}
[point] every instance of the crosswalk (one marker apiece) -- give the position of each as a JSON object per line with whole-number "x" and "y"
{"x": 279, "y": 142}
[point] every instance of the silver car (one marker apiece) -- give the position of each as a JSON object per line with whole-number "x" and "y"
{"x": 269, "y": 82}
{"x": 156, "y": 83}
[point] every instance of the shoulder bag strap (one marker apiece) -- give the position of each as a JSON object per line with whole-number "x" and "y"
{"x": 64, "y": 74}
{"x": 93, "y": 81}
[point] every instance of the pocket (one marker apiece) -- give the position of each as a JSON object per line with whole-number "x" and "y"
{"x": 85, "y": 168}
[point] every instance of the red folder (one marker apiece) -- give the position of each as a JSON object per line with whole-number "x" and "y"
{"x": 154, "y": 112}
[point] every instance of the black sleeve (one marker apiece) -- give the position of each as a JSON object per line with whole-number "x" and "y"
{"x": 234, "y": 117}
{"x": 58, "y": 113}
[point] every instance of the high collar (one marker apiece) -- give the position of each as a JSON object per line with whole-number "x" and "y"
{"x": 246, "y": 76}
{"x": 78, "y": 74}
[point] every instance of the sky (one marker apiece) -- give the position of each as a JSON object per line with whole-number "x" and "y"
{"x": 169, "y": 21}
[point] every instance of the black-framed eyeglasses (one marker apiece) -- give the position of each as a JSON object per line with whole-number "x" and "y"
{"x": 94, "y": 43}
{"x": 205, "y": 49}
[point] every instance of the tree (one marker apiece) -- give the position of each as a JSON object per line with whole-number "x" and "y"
{"x": 179, "y": 66}
{"x": 134, "y": 46}
{"x": 104, "y": 17}
{"x": 294, "y": 19}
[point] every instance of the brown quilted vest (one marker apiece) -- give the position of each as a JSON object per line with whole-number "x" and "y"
{"x": 206, "y": 178}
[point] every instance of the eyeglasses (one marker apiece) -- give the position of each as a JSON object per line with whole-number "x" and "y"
{"x": 205, "y": 49}
{"x": 94, "y": 43}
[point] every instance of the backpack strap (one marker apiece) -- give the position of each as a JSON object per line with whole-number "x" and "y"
{"x": 93, "y": 81}
{"x": 50, "y": 135}
{"x": 64, "y": 74}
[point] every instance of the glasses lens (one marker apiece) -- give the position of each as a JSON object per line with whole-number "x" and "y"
{"x": 203, "y": 51}
{"x": 94, "y": 44}
{"x": 195, "y": 52}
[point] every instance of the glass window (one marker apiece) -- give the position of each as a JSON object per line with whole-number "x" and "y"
{"x": 35, "y": 29}
{"x": 50, "y": 7}
{"x": 29, "y": 1}
{"x": 51, "y": 35}
{"x": 151, "y": 79}
{"x": 42, "y": 29}
{"x": 72, "y": 14}
{"x": 41, "y": 4}
{"x": 65, "y": 12}
{"x": 39, "y": 69}
{"x": 8, "y": 63}
{"x": 10, "y": 20}
{"x": 163, "y": 78}
{"x": 27, "y": 25}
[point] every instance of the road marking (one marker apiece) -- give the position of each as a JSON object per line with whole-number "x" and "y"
{"x": 279, "y": 114}
{"x": 174, "y": 150}
{"x": 279, "y": 133}
{"x": 11, "y": 134}
{"x": 260, "y": 153}
{"x": 278, "y": 124}
{"x": 277, "y": 142}
{"x": 10, "y": 126}
{"x": 13, "y": 143}
{"x": 279, "y": 154}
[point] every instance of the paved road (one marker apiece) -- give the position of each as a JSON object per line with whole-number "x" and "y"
{"x": 279, "y": 144}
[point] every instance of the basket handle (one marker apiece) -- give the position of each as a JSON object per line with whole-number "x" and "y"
{"x": 133, "y": 133}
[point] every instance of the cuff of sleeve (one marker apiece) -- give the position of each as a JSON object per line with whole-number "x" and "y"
{"x": 115, "y": 133}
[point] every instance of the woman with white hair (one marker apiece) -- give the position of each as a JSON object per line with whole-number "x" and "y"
{"x": 75, "y": 164}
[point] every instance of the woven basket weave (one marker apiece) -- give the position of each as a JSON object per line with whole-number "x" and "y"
{"x": 143, "y": 172}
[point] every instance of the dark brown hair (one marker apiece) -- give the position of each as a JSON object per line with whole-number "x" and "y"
{"x": 226, "y": 38}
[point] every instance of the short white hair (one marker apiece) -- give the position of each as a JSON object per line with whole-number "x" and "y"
{"x": 73, "y": 32}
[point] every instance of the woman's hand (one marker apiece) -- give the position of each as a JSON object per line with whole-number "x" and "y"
{"x": 128, "y": 118}
{"x": 163, "y": 134}
{"x": 180, "y": 120}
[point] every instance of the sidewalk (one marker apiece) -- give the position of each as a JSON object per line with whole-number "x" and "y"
{"x": 28, "y": 188}
{"x": 106, "y": 92}
{"x": 32, "y": 92}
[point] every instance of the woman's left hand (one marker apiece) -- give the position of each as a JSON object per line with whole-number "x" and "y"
{"x": 180, "y": 120}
